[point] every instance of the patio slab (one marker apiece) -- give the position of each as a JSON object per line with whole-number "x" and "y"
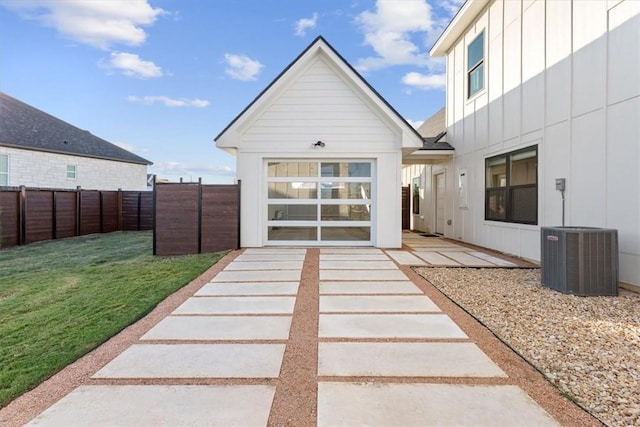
{"x": 467, "y": 259}
{"x": 435, "y": 258}
{"x": 349, "y": 264}
{"x": 220, "y": 328}
{"x": 405, "y": 360}
{"x": 388, "y": 326}
{"x": 258, "y": 276}
{"x": 363, "y": 287}
{"x": 264, "y": 265}
{"x": 348, "y": 404}
{"x": 377, "y": 303}
{"x": 248, "y": 288}
{"x": 492, "y": 259}
{"x": 376, "y": 275}
{"x": 248, "y": 257}
{"x": 354, "y": 257}
{"x": 359, "y": 251}
{"x": 262, "y": 251}
{"x": 405, "y": 258}
{"x": 237, "y": 305}
{"x": 196, "y": 361}
{"x": 161, "y": 405}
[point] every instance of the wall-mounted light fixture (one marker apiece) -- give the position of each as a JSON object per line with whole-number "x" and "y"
{"x": 318, "y": 144}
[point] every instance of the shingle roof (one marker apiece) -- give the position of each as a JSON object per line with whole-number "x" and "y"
{"x": 26, "y": 127}
{"x": 434, "y": 132}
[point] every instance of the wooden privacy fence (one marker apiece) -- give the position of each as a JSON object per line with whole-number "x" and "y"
{"x": 30, "y": 215}
{"x": 196, "y": 218}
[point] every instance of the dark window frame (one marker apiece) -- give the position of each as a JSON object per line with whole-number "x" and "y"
{"x": 506, "y": 194}
{"x": 476, "y": 67}
{"x": 415, "y": 191}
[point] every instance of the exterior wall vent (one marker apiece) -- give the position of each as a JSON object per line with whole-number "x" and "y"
{"x": 580, "y": 260}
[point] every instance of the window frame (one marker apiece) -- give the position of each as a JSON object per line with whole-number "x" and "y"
{"x": 475, "y": 67}
{"x": 5, "y": 173}
{"x": 507, "y": 191}
{"x": 75, "y": 172}
{"x": 415, "y": 195}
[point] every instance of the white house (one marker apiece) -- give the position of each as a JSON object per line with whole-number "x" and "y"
{"x": 536, "y": 91}
{"x": 319, "y": 154}
{"x": 39, "y": 150}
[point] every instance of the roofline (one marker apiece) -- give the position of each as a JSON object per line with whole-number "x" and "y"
{"x": 362, "y": 79}
{"x": 460, "y": 22}
{"x": 68, "y": 153}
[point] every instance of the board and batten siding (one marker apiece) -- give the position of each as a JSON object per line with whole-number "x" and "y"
{"x": 49, "y": 170}
{"x": 562, "y": 75}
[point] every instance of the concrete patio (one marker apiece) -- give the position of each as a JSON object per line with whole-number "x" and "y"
{"x": 384, "y": 352}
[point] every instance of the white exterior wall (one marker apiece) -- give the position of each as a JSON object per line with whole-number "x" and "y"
{"x": 425, "y": 220}
{"x": 49, "y": 170}
{"x": 566, "y": 76}
{"x": 321, "y": 105}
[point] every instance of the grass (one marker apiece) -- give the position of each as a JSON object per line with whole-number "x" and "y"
{"x": 60, "y": 299}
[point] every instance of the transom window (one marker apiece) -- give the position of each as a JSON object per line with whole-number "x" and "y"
{"x": 475, "y": 65}
{"x": 313, "y": 202}
{"x": 511, "y": 193}
{"x": 4, "y": 169}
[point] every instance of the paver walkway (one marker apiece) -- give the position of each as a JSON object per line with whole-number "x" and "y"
{"x": 306, "y": 336}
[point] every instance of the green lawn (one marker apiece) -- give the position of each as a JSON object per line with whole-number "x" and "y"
{"x": 60, "y": 299}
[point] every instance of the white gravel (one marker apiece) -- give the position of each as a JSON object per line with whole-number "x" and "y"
{"x": 589, "y": 347}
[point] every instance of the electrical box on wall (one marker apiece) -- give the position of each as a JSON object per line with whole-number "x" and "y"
{"x": 560, "y": 184}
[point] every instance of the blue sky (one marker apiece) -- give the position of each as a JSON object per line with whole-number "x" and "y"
{"x": 162, "y": 78}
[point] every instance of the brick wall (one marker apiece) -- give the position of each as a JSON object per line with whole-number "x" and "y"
{"x": 49, "y": 170}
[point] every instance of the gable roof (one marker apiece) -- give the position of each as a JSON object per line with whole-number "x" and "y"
{"x": 25, "y": 127}
{"x": 434, "y": 132}
{"x": 321, "y": 45}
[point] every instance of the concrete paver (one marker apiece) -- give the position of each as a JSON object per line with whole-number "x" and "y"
{"x": 264, "y": 265}
{"x": 435, "y": 258}
{"x": 272, "y": 251}
{"x": 161, "y": 405}
{"x": 362, "y": 275}
{"x": 350, "y": 251}
{"x": 363, "y": 287}
{"x": 467, "y": 259}
{"x": 248, "y": 288}
{"x": 494, "y": 260}
{"x": 377, "y": 303}
{"x": 248, "y": 257}
{"x": 220, "y": 328}
{"x": 354, "y": 257}
{"x": 258, "y": 276}
{"x": 196, "y": 361}
{"x": 405, "y": 360}
{"x": 350, "y": 264}
{"x": 405, "y": 258}
{"x": 237, "y": 305}
{"x": 388, "y": 326}
{"x": 349, "y": 404}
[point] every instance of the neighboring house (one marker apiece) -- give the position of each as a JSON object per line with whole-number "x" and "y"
{"x": 540, "y": 90}
{"x": 39, "y": 150}
{"x": 319, "y": 155}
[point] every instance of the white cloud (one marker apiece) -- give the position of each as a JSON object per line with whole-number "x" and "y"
{"x": 241, "y": 67}
{"x": 304, "y": 24}
{"x": 425, "y": 81}
{"x": 132, "y": 65}
{"x": 96, "y": 23}
{"x": 389, "y": 30}
{"x": 169, "y": 102}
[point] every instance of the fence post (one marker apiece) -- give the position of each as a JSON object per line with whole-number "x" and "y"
{"x": 54, "y": 225}
{"x": 23, "y": 215}
{"x": 101, "y": 206}
{"x": 78, "y": 211}
{"x": 119, "y": 209}
{"x": 139, "y": 207}
{"x": 239, "y": 205}
{"x": 155, "y": 192}
{"x": 200, "y": 215}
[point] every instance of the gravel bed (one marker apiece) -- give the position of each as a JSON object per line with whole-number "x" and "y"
{"x": 589, "y": 347}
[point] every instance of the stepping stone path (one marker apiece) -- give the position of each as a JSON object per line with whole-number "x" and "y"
{"x": 306, "y": 337}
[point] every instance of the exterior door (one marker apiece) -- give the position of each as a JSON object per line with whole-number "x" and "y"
{"x": 439, "y": 197}
{"x": 319, "y": 203}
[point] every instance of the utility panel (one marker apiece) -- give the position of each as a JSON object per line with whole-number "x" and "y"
{"x": 580, "y": 260}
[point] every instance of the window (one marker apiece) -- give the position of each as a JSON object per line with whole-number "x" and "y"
{"x": 511, "y": 193}
{"x": 71, "y": 172}
{"x": 475, "y": 65}
{"x": 416, "y": 195}
{"x": 4, "y": 169}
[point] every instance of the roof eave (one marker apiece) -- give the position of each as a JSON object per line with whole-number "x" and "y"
{"x": 460, "y": 22}
{"x": 143, "y": 161}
